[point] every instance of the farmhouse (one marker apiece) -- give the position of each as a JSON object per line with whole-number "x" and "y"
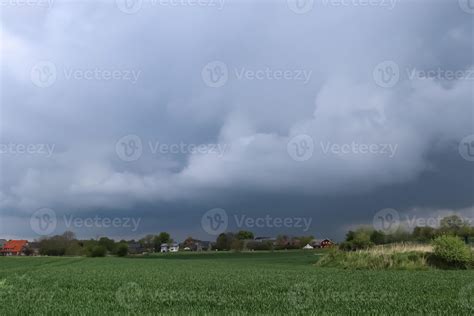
{"x": 191, "y": 244}
{"x": 14, "y": 248}
{"x": 326, "y": 243}
{"x": 174, "y": 247}
{"x": 164, "y": 248}
{"x": 203, "y": 245}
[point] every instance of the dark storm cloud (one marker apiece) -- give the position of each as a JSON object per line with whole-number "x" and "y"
{"x": 289, "y": 74}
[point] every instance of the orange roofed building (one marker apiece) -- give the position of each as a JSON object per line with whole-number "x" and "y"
{"x": 14, "y": 247}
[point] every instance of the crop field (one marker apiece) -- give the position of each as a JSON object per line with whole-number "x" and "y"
{"x": 224, "y": 283}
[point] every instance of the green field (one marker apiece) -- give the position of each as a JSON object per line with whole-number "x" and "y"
{"x": 224, "y": 283}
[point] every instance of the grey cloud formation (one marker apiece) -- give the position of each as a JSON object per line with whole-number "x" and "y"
{"x": 159, "y": 55}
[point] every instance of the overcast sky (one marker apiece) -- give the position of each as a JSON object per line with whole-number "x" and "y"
{"x": 304, "y": 117}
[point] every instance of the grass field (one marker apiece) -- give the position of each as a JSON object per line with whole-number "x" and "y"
{"x": 224, "y": 283}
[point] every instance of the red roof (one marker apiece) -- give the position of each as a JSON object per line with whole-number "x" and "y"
{"x": 14, "y": 246}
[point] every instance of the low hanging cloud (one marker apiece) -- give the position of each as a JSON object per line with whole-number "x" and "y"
{"x": 337, "y": 102}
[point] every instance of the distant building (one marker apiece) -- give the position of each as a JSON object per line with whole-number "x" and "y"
{"x": 308, "y": 246}
{"x": 2, "y": 242}
{"x": 314, "y": 243}
{"x": 191, "y": 244}
{"x": 174, "y": 247}
{"x": 205, "y": 245}
{"x": 262, "y": 239}
{"x": 164, "y": 248}
{"x": 326, "y": 243}
{"x": 14, "y": 248}
{"x": 135, "y": 248}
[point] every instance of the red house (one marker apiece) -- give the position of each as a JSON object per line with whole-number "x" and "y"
{"x": 14, "y": 247}
{"x": 326, "y": 243}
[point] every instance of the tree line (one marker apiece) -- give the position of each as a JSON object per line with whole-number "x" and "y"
{"x": 361, "y": 238}
{"x": 365, "y": 237}
{"x": 67, "y": 244}
{"x": 244, "y": 240}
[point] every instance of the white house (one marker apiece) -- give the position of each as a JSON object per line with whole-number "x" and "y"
{"x": 164, "y": 248}
{"x": 174, "y": 247}
{"x": 308, "y": 246}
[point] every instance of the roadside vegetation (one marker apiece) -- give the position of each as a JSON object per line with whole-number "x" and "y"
{"x": 405, "y": 257}
{"x": 445, "y": 247}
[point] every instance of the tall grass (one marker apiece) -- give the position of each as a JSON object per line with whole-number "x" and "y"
{"x": 400, "y": 248}
{"x": 397, "y": 256}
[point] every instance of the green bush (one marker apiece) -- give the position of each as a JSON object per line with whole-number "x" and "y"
{"x": 98, "y": 251}
{"x": 357, "y": 240}
{"x": 122, "y": 250}
{"x": 255, "y": 245}
{"x": 372, "y": 260}
{"x": 452, "y": 251}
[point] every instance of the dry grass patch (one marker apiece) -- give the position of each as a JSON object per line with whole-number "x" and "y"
{"x": 395, "y": 256}
{"x": 399, "y": 248}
